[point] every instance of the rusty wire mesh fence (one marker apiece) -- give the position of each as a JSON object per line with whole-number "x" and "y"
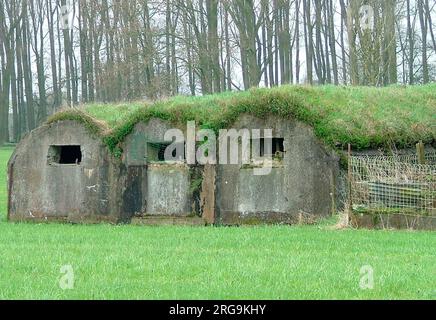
{"x": 393, "y": 184}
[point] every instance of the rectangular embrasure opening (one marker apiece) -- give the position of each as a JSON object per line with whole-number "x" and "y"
{"x": 68, "y": 154}
{"x": 277, "y": 147}
{"x": 156, "y": 152}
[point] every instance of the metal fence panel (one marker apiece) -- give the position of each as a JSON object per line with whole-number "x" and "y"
{"x": 393, "y": 184}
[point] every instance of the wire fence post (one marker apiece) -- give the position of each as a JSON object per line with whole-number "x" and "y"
{"x": 420, "y": 150}
{"x": 350, "y": 176}
{"x": 333, "y": 192}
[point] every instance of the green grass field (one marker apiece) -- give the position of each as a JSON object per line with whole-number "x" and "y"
{"x": 132, "y": 262}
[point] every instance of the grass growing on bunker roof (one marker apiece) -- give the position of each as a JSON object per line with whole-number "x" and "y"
{"x": 94, "y": 125}
{"x": 366, "y": 117}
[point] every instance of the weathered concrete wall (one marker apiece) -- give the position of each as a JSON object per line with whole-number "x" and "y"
{"x": 102, "y": 188}
{"x": 302, "y": 186}
{"x": 207, "y": 194}
{"x": 69, "y": 192}
{"x": 168, "y": 190}
{"x": 133, "y": 190}
{"x": 299, "y": 188}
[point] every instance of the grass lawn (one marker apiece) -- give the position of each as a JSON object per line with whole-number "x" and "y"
{"x": 131, "y": 262}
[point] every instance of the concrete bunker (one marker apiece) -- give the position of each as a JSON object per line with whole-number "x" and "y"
{"x": 301, "y": 186}
{"x": 61, "y": 171}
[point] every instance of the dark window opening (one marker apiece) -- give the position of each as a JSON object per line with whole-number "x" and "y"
{"x": 156, "y": 152}
{"x": 278, "y": 145}
{"x": 64, "y": 155}
{"x": 277, "y": 148}
{"x": 161, "y": 152}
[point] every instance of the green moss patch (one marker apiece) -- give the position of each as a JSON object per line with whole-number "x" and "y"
{"x": 92, "y": 124}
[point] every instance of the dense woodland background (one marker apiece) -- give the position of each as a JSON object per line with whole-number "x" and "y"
{"x": 59, "y": 53}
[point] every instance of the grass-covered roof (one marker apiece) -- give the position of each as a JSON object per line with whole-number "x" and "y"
{"x": 366, "y": 117}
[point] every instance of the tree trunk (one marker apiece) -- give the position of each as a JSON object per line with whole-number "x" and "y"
{"x": 411, "y": 38}
{"x": 308, "y": 39}
{"x": 424, "y": 30}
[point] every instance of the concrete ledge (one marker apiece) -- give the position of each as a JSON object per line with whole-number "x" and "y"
{"x": 393, "y": 221}
{"x": 73, "y": 220}
{"x": 228, "y": 218}
{"x": 168, "y": 221}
